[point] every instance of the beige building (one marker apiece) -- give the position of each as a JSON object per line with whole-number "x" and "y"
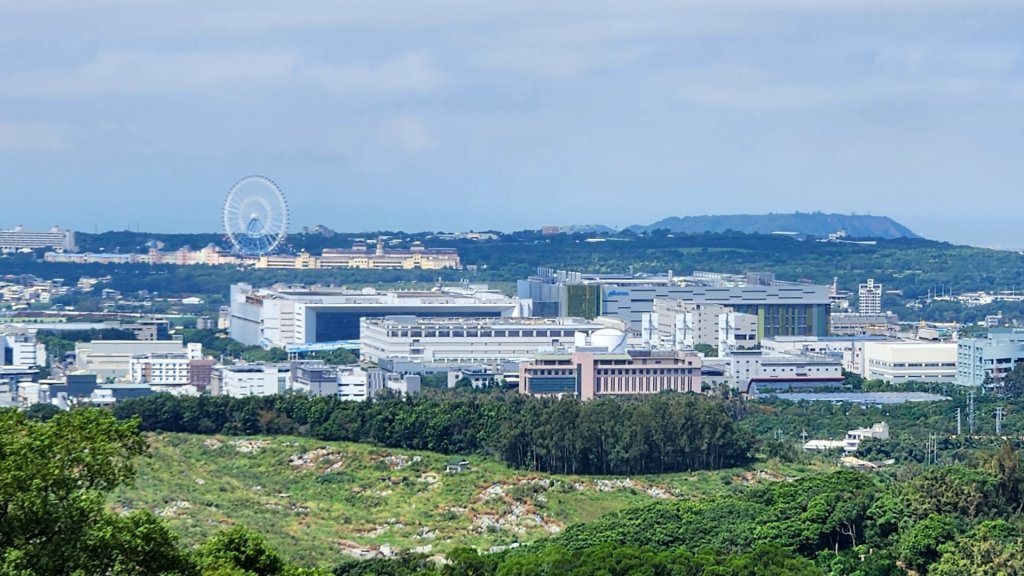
{"x": 361, "y": 257}
{"x": 416, "y": 257}
{"x": 303, "y": 261}
{"x": 589, "y": 375}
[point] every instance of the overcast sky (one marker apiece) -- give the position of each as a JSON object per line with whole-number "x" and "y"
{"x": 451, "y": 114}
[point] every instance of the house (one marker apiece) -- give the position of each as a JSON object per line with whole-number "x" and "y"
{"x": 456, "y": 466}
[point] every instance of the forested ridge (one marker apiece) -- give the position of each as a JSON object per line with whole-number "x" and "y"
{"x": 664, "y": 433}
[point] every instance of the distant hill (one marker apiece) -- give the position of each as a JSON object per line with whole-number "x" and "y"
{"x": 810, "y": 223}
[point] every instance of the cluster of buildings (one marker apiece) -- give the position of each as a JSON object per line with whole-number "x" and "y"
{"x": 565, "y": 333}
{"x": 20, "y": 292}
{"x": 360, "y": 256}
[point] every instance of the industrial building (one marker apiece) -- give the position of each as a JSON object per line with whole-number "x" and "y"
{"x": 907, "y": 360}
{"x": 113, "y": 358}
{"x": 985, "y": 361}
{"x": 20, "y": 238}
{"x": 781, "y": 308}
{"x": 753, "y": 371}
{"x": 304, "y": 315}
{"x": 856, "y": 324}
{"x": 680, "y": 325}
{"x": 466, "y": 340}
{"x": 243, "y": 380}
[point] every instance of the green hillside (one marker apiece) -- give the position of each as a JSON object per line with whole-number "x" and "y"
{"x": 316, "y": 501}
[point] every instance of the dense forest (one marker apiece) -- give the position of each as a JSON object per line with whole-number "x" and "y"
{"x": 664, "y": 433}
{"x": 935, "y": 520}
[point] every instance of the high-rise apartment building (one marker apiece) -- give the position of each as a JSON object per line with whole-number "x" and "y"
{"x": 869, "y": 298}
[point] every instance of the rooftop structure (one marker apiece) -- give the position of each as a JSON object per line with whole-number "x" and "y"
{"x": 303, "y": 315}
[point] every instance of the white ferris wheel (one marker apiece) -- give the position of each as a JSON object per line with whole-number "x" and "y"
{"x": 256, "y": 216}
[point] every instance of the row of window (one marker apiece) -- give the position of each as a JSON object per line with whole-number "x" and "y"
{"x": 546, "y": 333}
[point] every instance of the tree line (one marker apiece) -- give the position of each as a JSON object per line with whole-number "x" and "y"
{"x": 664, "y": 433}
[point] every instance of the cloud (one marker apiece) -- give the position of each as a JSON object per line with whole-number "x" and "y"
{"x": 407, "y": 133}
{"x": 192, "y": 72}
{"x": 412, "y": 72}
{"x": 133, "y": 72}
{"x": 30, "y": 137}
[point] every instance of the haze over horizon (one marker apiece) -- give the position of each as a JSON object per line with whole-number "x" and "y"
{"x": 457, "y": 115}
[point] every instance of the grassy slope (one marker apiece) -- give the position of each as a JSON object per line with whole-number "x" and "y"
{"x": 355, "y": 497}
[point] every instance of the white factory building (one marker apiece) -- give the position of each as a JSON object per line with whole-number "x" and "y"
{"x": 466, "y": 340}
{"x": 677, "y": 324}
{"x": 904, "y": 361}
{"x": 283, "y": 316}
{"x": 750, "y": 371}
{"x": 241, "y": 380}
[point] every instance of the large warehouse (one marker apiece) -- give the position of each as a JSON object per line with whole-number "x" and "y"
{"x": 280, "y": 316}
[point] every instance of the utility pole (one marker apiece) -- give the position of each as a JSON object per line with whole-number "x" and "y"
{"x": 999, "y": 421}
{"x": 958, "y": 429}
{"x": 970, "y": 413}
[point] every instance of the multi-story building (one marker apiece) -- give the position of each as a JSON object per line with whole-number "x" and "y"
{"x": 856, "y": 324}
{"x": 417, "y": 257}
{"x": 869, "y": 298}
{"x": 985, "y": 361}
{"x": 466, "y": 340}
{"x": 751, "y": 371}
{"x": 854, "y": 437}
{"x": 781, "y": 308}
{"x": 20, "y": 349}
{"x": 113, "y": 358}
{"x": 588, "y": 375}
{"x": 20, "y": 238}
{"x": 242, "y": 380}
{"x": 303, "y": 315}
{"x": 681, "y": 325}
{"x": 909, "y": 360}
{"x": 200, "y": 373}
{"x": 156, "y": 369}
{"x": 318, "y": 379}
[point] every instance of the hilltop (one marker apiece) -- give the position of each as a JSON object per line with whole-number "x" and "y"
{"x": 808, "y": 223}
{"x": 318, "y": 502}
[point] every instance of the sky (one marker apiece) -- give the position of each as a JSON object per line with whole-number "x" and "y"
{"x": 470, "y": 115}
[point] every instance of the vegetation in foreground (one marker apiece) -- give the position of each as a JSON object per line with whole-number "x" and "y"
{"x": 941, "y": 520}
{"x": 319, "y": 501}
